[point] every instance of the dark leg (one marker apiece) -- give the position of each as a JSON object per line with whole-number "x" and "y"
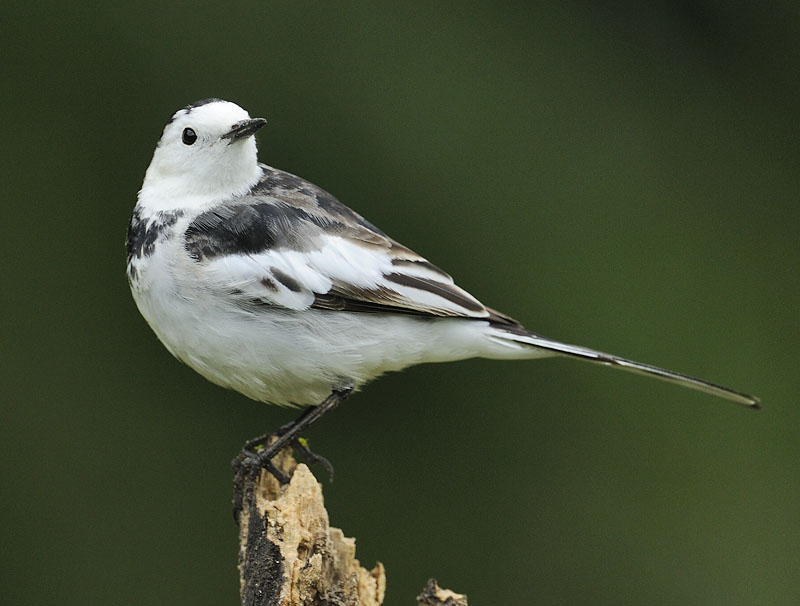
{"x": 290, "y": 434}
{"x": 257, "y": 454}
{"x": 311, "y": 458}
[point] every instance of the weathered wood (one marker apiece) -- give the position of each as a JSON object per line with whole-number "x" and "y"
{"x": 433, "y": 595}
{"x": 289, "y": 555}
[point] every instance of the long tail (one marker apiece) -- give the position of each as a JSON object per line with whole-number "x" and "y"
{"x": 598, "y": 357}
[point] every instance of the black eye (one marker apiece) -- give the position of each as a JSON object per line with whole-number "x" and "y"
{"x": 189, "y": 136}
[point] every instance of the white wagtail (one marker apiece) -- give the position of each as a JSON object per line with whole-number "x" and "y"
{"x": 264, "y": 283}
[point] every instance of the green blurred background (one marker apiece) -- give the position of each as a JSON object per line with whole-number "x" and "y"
{"x": 620, "y": 175}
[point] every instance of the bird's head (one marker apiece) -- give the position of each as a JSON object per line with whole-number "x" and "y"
{"x": 207, "y": 151}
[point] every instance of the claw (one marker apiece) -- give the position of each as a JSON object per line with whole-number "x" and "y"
{"x": 309, "y": 457}
{"x": 259, "y": 452}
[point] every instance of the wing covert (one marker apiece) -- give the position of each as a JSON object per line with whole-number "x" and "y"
{"x": 290, "y": 244}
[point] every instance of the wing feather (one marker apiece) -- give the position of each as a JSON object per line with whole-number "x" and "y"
{"x": 290, "y": 244}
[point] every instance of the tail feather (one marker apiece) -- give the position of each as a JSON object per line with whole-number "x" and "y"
{"x": 598, "y": 357}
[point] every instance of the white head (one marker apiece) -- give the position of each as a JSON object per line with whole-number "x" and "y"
{"x": 207, "y": 152}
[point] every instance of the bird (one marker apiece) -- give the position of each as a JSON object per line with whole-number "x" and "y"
{"x": 266, "y": 284}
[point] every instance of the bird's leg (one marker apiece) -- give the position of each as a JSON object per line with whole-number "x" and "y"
{"x": 290, "y": 434}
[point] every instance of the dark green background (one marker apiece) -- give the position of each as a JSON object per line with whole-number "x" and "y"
{"x": 624, "y": 177}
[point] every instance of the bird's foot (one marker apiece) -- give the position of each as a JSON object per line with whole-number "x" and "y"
{"x": 259, "y": 453}
{"x": 255, "y": 455}
{"x": 310, "y": 458}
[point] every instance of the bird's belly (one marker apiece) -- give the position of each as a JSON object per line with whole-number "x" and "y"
{"x": 289, "y": 357}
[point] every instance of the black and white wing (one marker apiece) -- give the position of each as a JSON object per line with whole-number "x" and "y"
{"x": 290, "y": 244}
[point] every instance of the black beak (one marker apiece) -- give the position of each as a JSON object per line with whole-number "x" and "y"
{"x": 244, "y": 129}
